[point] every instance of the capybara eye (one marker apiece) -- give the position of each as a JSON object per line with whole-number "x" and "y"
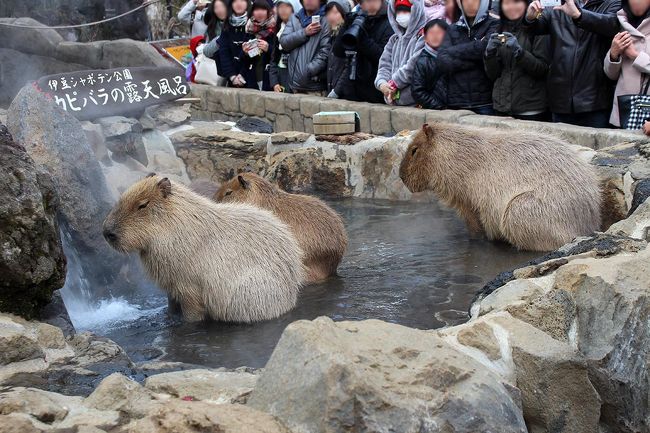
{"x": 143, "y": 205}
{"x": 228, "y": 193}
{"x": 415, "y": 149}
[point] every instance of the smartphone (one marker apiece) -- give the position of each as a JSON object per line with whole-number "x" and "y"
{"x": 315, "y": 19}
{"x": 502, "y": 38}
{"x": 551, "y": 3}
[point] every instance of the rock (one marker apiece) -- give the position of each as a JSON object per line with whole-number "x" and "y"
{"x": 253, "y": 124}
{"x": 46, "y": 407}
{"x": 16, "y": 345}
{"x": 42, "y": 42}
{"x": 636, "y": 225}
{"x": 218, "y": 155}
{"x": 32, "y": 263}
{"x": 373, "y": 376}
{"x": 95, "y": 136}
{"x": 641, "y": 194}
{"x": 56, "y": 314}
{"x": 119, "y": 393}
{"x": 212, "y": 386}
{"x": 169, "y": 115}
{"x": 179, "y": 416}
{"x": 16, "y": 423}
{"x": 130, "y": 144}
{"x": 114, "y": 126}
{"x": 57, "y": 142}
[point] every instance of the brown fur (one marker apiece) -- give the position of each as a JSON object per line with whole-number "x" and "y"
{"x": 317, "y": 227}
{"x": 528, "y": 189}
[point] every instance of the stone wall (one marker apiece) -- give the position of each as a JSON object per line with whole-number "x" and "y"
{"x": 294, "y": 113}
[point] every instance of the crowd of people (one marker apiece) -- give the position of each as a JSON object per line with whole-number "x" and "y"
{"x": 572, "y": 62}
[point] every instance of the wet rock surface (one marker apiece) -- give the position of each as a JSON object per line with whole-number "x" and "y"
{"x": 32, "y": 263}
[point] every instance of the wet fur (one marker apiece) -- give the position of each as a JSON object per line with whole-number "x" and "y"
{"x": 528, "y": 189}
{"x": 230, "y": 262}
{"x": 317, "y": 227}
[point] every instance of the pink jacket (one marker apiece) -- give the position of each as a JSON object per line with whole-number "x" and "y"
{"x": 628, "y": 72}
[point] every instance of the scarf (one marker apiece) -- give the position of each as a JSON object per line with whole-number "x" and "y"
{"x": 261, "y": 30}
{"x": 237, "y": 21}
{"x": 430, "y": 50}
{"x": 635, "y": 20}
{"x": 305, "y": 19}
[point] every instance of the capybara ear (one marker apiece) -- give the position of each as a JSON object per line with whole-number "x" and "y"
{"x": 165, "y": 187}
{"x": 243, "y": 182}
{"x": 152, "y": 174}
{"x": 428, "y": 130}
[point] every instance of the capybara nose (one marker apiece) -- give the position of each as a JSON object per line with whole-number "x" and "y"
{"x": 110, "y": 236}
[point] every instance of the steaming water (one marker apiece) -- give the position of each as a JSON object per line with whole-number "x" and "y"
{"x": 407, "y": 263}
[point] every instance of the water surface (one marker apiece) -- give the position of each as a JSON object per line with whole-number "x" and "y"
{"x": 409, "y": 263}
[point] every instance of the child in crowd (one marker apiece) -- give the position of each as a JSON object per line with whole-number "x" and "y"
{"x": 517, "y": 61}
{"x": 261, "y": 25}
{"x": 338, "y": 82}
{"x": 429, "y": 86}
{"x": 278, "y": 73}
{"x": 401, "y": 52}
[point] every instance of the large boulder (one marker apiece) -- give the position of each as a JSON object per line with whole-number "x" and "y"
{"x": 58, "y": 143}
{"x": 373, "y": 376}
{"x": 32, "y": 263}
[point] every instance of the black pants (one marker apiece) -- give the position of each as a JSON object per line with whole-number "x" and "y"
{"x": 540, "y": 117}
{"x": 595, "y": 119}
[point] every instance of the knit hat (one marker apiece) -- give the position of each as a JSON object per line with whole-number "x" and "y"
{"x": 262, "y": 4}
{"x": 403, "y": 5}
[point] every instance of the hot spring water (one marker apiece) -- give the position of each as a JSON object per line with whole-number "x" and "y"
{"x": 407, "y": 262}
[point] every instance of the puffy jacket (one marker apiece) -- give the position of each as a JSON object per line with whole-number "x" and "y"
{"x": 461, "y": 58}
{"x": 629, "y": 73}
{"x": 232, "y": 60}
{"x": 376, "y": 31}
{"x": 520, "y": 83}
{"x": 307, "y": 55}
{"x": 402, "y": 51}
{"x": 429, "y": 86}
{"x": 576, "y": 81}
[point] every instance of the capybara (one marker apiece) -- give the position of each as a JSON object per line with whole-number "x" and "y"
{"x": 526, "y": 188}
{"x": 318, "y": 228}
{"x": 231, "y": 262}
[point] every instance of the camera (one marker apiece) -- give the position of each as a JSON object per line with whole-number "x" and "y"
{"x": 351, "y": 35}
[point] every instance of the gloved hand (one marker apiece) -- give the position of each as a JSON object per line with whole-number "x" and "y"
{"x": 513, "y": 45}
{"x": 332, "y": 94}
{"x": 493, "y": 45}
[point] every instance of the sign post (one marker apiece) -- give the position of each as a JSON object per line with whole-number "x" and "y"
{"x": 110, "y": 92}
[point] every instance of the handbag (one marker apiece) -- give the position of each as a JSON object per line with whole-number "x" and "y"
{"x": 633, "y": 110}
{"x": 206, "y": 72}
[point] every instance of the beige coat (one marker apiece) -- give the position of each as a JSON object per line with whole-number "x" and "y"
{"x": 625, "y": 71}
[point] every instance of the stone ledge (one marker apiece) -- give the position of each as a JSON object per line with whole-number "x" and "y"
{"x": 294, "y": 112}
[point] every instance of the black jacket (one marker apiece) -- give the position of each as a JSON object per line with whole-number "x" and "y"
{"x": 461, "y": 58}
{"x": 576, "y": 81}
{"x": 520, "y": 83}
{"x": 278, "y": 75}
{"x": 375, "y": 34}
{"x": 232, "y": 60}
{"x": 338, "y": 74}
{"x": 429, "y": 86}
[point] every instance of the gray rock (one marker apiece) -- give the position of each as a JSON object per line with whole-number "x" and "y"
{"x": 253, "y": 124}
{"x": 57, "y": 142}
{"x": 641, "y": 194}
{"x": 372, "y": 376}
{"x": 114, "y": 126}
{"x": 32, "y": 263}
{"x": 42, "y": 42}
{"x": 131, "y": 144}
{"x": 169, "y": 115}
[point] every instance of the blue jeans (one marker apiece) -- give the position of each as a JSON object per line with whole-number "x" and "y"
{"x": 485, "y": 109}
{"x": 595, "y": 119}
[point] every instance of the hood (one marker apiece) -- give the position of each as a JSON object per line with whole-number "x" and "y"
{"x": 631, "y": 18}
{"x": 344, "y": 4}
{"x": 295, "y": 4}
{"x": 418, "y": 18}
{"x": 194, "y": 42}
{"x": 483, "y": 12}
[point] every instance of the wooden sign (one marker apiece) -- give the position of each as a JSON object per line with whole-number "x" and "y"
{"x": 112, "y": 92}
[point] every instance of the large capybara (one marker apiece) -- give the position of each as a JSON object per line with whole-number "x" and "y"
{"x": 231, "y": 262}
{"x": 526, "y": 188}
{"x": 318, "y": 228}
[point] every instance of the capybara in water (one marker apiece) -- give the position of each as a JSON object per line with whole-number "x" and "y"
{"x": 231, "y": 262}
{"x": 528, "y": 189}
{"x": 318, "y": 228}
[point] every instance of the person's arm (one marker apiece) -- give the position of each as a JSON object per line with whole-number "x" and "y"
{"x": 385, "y": 61}
{"x": 537, "y": 19}
{"x": 211, "y": 48}
{"x": 611, "y": 67}
{"x": 536, "y": 62}
{"x": 642, "y": 62}
{"x": 225, "y": 57}
{"x": 493, "y": 67}
{"x": 319, "y": 62}
{"x": 605, "y": 23}
{"x": 403, "y": 75}
{"x": 424, "y": 84}
{"x": 293, "y": 36}
{"x": 185, "y": 14}
{"x": 461, "y": 56}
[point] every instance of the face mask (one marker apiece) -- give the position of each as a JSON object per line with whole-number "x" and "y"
{"x": 403, "y": 19}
